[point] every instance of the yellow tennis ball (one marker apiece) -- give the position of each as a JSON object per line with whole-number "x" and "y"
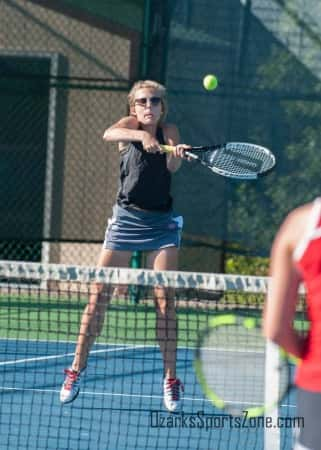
{"x": 249, "y": 323}
{"x": 210, "y": 82}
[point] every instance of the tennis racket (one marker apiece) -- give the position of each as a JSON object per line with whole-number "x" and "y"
{"x": 238, "y": 160}
{"x": 233, "y": 366}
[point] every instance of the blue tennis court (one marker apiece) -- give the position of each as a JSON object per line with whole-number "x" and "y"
{"x": 120, "y": 405}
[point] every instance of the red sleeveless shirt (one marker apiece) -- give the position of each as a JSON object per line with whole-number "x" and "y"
{"x": 307, "y": 257}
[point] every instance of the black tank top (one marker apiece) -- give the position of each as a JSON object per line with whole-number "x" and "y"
{"x": 145, "y": 180}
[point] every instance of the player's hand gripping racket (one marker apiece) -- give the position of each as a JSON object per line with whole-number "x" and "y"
{"x": 238, "y": 160}
{"x": 236, "y": 371}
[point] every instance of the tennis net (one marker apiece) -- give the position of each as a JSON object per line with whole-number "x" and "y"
{"x": 120, "y": 405}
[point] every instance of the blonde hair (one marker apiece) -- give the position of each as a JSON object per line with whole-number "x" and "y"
{"x": 148, "y": 84}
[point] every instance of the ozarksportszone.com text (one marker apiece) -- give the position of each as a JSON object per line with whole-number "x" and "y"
{"x": 159, "y": 419}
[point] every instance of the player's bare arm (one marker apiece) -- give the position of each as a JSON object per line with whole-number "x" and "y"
{"x": 127, "y": 130}
{"x": 282, "y": 298}
{"x": 172, "y": 137}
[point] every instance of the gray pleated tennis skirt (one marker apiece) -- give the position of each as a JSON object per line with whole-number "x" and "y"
{"x": 136, "y": 230}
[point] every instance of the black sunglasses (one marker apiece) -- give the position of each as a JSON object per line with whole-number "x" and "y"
{"x": 154, "y": 101}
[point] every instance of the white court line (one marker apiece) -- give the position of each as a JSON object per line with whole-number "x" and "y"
{"x": 118, "y": 349}
{"x": 51, "y": 341}
{"x": 101, "y": 394}
{"x": 45, "y": 358}
{"x": 179, "y": 347}
{"x": 123, "y": 348}
{"x": 114, "y": 394}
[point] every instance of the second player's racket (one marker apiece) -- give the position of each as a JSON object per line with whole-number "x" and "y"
{"x": 238, "y": 160}
{"x": 233, "y": 367}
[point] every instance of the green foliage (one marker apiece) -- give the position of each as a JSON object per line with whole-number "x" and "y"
{"x": 247, "y": 265}
{"x": 286, "y": 118}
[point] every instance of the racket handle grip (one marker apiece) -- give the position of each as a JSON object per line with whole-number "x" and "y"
{"x": 167, "y": 148}
{"x": 171, "y": 148}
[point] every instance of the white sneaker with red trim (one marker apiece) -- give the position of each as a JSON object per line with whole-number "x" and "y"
{"x": 71, "y": 386}
{"x": 172, "y": 388}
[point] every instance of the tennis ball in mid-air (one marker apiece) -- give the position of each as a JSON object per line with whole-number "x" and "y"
{"x": 210, "y": 82}
{"x": 249, "y": 323}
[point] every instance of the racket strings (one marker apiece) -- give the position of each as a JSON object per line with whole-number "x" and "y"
{"x": 239, "y": 159}
{"x": 234, "y": 366}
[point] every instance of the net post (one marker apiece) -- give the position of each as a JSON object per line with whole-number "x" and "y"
{"x": 134, "y": 290}
{"x": 272, "y": 385}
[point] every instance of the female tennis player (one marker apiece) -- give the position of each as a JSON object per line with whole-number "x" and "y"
{"x": 295, "y": 258}
{"x": 143, "y": 220}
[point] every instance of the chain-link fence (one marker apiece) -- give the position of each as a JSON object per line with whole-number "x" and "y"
{"x": 266, "y": 55}
{"x": 63, "y": 81}
{"x": 64, "y": 76}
